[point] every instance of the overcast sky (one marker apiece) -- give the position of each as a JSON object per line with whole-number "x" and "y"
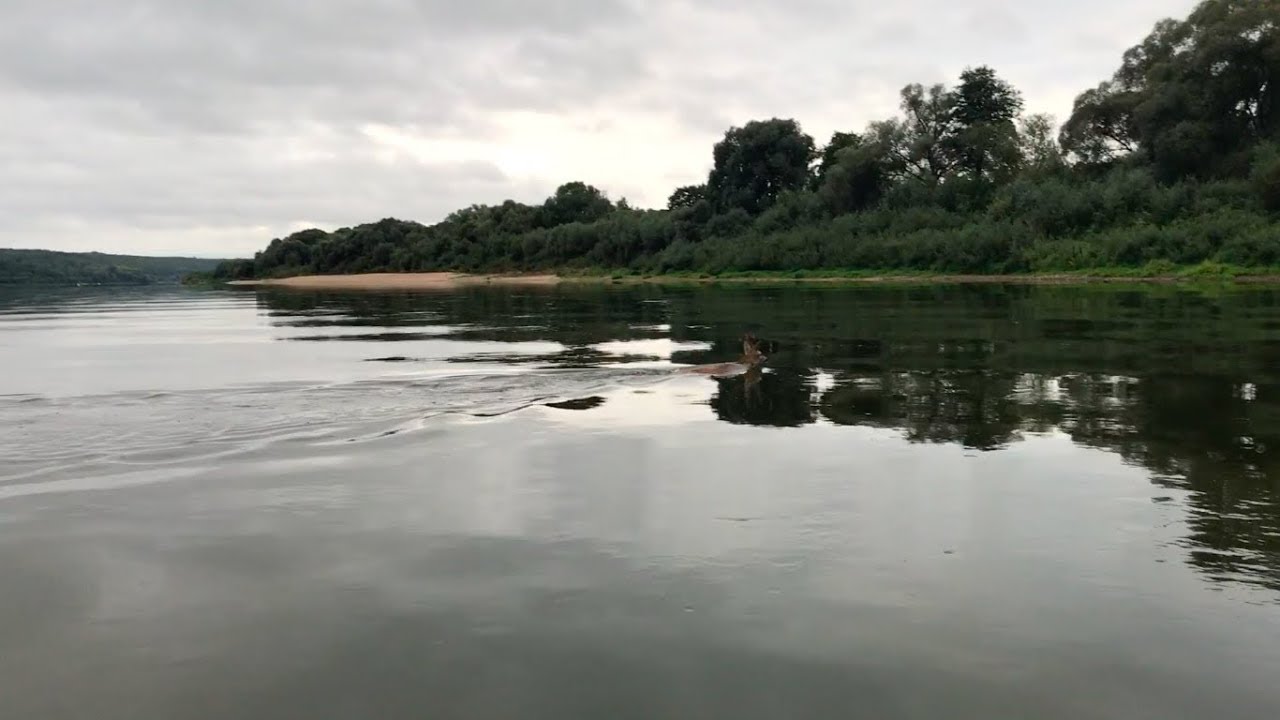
{"x": 210, "y": 126}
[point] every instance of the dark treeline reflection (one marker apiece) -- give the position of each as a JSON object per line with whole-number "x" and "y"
{"x": 1185, "y": 383}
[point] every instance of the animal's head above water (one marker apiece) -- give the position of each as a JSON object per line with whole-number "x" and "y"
{"x": 751, "y": 354}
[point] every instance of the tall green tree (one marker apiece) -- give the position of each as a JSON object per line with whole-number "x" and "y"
{"x": 691, "y": 210}
{"x": 983, "y": 137}
{"x": 915, "y": 146}
{"x": 983, "y": 97}
{"x": 575, "y": 202}
{"x": 686, "y": 196}
{"x": 757, "y": 162}
{"x": 1193, "y": 97}
{"x": 855, "y": 180}
{"x": 1101, "y": 128}
{"x": 1041, "y": 153}
{"x": 827, "y": 158}
{"x": 1265, "y": 176}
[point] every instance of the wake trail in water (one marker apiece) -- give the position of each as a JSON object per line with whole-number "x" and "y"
{"x": 70, "y": 437}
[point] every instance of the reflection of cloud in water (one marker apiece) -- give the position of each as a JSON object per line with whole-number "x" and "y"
{"x": 589, "y": 499}
{"x": 823, "y": 381}
{"x": 659, "y": 347}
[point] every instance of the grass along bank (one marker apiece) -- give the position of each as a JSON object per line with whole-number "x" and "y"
{"x": 1159, "y": 271}
{"x": 1156, "y": 272}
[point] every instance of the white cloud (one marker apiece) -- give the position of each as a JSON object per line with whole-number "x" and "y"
{"x": 211, "y": 126}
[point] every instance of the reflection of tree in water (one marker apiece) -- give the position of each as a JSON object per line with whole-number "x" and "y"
{"x": 779, "y": 399}
{"x": 1182, "y": 383}
{"x": 973, "y": 408}
{"x": 1210, "y": 436}
{"x": 573, "y": 316}
{"x": 1213, "y": 437}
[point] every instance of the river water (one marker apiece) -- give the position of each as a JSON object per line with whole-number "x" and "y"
{"x": 964, "y": 501}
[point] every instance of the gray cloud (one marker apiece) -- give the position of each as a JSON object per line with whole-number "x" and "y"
{"x": 211, "y": 65}
{"x": 165, "y": 127}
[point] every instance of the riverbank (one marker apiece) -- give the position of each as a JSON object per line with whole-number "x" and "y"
{"x": 398, "y": 281}
{"x": 928, "y": 279}
{"x": 451, "y": 280}
{"x": 1154, "y": 272}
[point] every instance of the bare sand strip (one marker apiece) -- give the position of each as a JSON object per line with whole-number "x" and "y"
{"x": 399, "y": 281}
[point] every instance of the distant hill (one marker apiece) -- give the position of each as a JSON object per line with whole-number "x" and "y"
{"x": 49, "y": 267}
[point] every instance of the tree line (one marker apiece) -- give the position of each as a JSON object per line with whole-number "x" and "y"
{"x": 49, "y": 267}
{"x": 1174, "y": 160}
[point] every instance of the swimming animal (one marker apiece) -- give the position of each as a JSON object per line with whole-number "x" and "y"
{"x": 751, "y": 358}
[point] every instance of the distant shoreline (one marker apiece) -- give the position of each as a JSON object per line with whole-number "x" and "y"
{"x": 452, "y": 280}
{"x": 398, "y": 281}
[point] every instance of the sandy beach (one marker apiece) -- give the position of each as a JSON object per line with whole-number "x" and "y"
{"x": 399, "y": 281}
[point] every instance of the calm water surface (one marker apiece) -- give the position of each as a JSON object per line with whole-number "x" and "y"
{"x": 971, "y": 502}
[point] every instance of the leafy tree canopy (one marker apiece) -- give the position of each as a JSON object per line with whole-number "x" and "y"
{"x": 757, "y": 162}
